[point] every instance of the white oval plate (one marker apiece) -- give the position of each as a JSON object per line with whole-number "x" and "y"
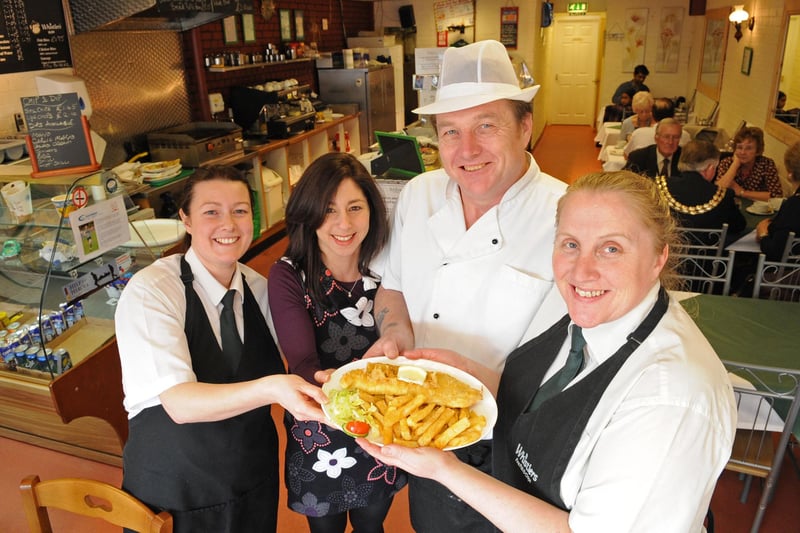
{"x": 487, "y": 407}
{"x": 160, "y": 166}
{"x": 756, "y": 211}
{"x": 156, "y": 232}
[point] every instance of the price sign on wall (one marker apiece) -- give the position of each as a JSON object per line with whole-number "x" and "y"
{"x": 509, "y": 26}
{"x": 33, "y": 36}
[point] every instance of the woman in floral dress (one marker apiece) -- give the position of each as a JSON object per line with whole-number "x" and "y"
{"x": 321, "y": 297}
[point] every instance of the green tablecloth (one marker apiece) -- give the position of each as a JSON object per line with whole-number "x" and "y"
{"x": 746, "y": 330}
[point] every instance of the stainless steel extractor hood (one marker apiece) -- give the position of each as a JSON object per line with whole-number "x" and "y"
{"x": 131, "y": 15}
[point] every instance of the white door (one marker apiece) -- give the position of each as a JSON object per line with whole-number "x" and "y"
{"x": 574, "y": 60}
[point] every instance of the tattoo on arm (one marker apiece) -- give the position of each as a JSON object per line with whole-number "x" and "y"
{"x": 380, "y": 316}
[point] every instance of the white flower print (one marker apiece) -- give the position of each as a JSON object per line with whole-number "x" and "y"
{"x": 361, "y": 314}
{"x": 333, "y": 463}
{"x": 369, "y": 283}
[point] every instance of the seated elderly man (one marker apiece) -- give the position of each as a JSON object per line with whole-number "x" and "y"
{"x": 641, "y": 137}
{"x": 662, "y": 157}
{"x": 695, "y": 201}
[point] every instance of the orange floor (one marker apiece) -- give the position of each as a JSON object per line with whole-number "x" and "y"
{"x": 566, "y": 152}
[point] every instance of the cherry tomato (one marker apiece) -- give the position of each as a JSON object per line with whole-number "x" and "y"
{"x": 357, "y": 428}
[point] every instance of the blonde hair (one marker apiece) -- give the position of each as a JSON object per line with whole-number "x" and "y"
{"x": 646, "y": 201}
{"x": 642, "y": 100}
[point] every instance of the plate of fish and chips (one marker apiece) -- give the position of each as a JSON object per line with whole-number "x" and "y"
{"x": 409, "y": 402}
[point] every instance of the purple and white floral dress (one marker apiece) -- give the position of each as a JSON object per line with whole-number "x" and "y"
{"x": 326, "y": 471}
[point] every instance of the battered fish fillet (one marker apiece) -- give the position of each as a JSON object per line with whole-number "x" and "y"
{"x": 439, "y": 388}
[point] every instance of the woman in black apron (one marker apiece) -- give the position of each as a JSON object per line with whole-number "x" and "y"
{"x": 620, "y": 417}
{"x": 200, "y": 370}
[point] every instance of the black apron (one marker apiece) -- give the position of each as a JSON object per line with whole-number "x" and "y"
{"x": 212, "y": 476}
{"x": 532, "y": 448}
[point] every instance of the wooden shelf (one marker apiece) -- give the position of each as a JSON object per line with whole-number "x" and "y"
{"x": 216, "y": 69}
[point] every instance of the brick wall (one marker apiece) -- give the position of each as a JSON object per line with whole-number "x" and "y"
{"x": 357, "y": 14}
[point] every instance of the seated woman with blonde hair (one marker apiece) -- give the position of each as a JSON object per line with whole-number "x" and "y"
{"x": 643, "y": 115}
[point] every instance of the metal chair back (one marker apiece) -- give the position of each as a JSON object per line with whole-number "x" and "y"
{"x": 791, "y": 252}
{"x": 776, "y": 280}
{"x": 705, "y": 241}
{"x": 705, "y": 273}
{"x": 768, "y": 408}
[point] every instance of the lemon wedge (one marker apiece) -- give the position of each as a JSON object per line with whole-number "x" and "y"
{"x": 411, "y": 374}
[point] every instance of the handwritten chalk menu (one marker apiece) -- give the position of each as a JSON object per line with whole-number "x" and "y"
{"x": 57, "y": 131}
{"x": 211, "y": 6}
{"x": 33, "y": 36}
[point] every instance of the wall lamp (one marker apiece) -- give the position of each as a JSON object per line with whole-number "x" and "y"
{"x": 739, "y": 16}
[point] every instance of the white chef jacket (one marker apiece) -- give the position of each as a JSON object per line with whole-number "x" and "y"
{"x": 651, "y": 453}
{"x": 149, "y": 323}
{"x": 473, "y": 290}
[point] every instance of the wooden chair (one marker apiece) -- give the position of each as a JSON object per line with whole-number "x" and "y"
{"x": 91, "y": 498}
{"x": 777, "y": 281}
{"x": 767, "y": 413}
{"x": 708, "y": 274}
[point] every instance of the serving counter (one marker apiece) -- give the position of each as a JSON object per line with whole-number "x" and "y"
{"x": 42, "y": 277}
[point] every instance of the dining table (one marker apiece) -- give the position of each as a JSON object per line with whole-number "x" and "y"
{"x": 758, "y": 333}
{"x": 745, "y": 241}
{"x": 611, "y": 152}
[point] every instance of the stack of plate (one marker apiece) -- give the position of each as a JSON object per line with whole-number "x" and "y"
{"x": 160, "y": 170}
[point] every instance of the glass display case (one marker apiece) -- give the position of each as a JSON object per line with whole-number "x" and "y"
{"x": 69, "y": 245}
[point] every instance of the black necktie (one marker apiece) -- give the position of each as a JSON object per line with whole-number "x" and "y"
{"x": 665, "y": 167}
{"x": 231, "y": 343}
{"x": 560, "y": 379}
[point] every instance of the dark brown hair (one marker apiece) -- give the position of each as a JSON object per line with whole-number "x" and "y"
{"x": 208, "y": 174}
{"x": 307, "y": 208}
{"x": 520, "y": 109}
{"x": 751, "y": 132}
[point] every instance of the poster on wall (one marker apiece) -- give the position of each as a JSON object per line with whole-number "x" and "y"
{"x": 712, "y": 49}
{"x": 33, "y": 36}
{"x": 509, "y": 24}
{"x": 669, "y": 42}
{"x": 635, "y": 35}
{"x": 453, "y": 13}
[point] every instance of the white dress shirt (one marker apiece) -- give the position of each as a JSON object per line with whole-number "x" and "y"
{"x": 149, "y": 323}
{"x": 651, "y": 453}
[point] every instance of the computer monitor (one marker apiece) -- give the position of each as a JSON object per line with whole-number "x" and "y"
{"x": 403, "y": 159}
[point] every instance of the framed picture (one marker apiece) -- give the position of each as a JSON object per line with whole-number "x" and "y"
{"x": 747, "y": 60}
{"x": 299, "y": 33}
{"x": 248, "y": 28}
{"x": 285, "y": 18}
{"x": 229, "y": 30}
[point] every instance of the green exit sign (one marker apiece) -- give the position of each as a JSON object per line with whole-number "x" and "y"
{"x": 577, "y": 8}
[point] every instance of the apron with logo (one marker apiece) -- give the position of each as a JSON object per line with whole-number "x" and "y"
{"x": 532, "y": 448}
{"x": 211, "y": 476}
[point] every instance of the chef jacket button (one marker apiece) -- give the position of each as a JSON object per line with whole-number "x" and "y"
{"x": 436, "y": 316}
{"x": 494, "y": 241}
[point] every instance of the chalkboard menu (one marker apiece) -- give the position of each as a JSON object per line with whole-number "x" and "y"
{"x": 58, "y": 135}
{"x": 213, "y": 6}
{"x": 33, "y": 36}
